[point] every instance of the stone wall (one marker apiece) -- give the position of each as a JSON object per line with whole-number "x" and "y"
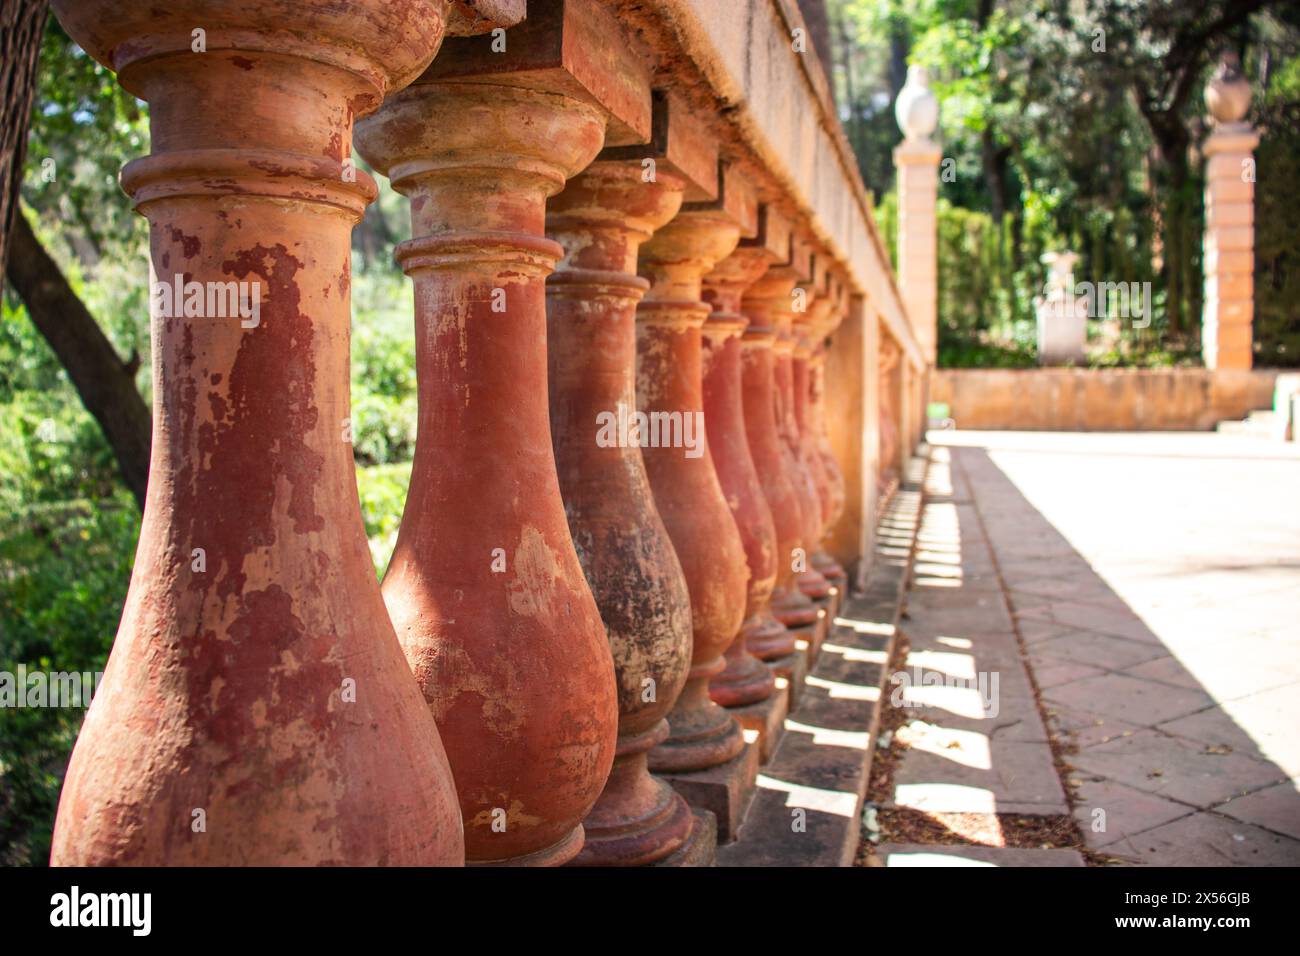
{"x": 1065, "y": 399}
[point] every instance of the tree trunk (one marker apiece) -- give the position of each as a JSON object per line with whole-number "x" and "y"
{"x": 995, "y": 176}
{"x": 22, "y": 23}
{"x": 105, "y": 383}
{"x": 1177, "y": 227}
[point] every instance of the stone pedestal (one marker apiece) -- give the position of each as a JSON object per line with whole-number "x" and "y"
{"x": 686, "y": 489}
{"x": 701, "y": 847}
{"x": 793, "y": 668}
{"x": 601, "y": 218}
{"x": 485, "y": 587}
{"x": 1229, "y": 248}
{"x": 256, "y": 708}
{"x": 725, "y": 790}
{"x": 766, "y": 718}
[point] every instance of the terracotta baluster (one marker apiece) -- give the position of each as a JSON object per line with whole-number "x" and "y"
{"x": 801, "y": 381}
{"x": 760, "y": 303}
{"x": 788, "y": 400}
{"x": 485, "y": 586}
{"x": 746, "y": 680}
{"x": 890, "y": 445}
{"x": 684, "y": 479}
{"x": 810, "y": 328}
{"x": 830, "y": 317}
{"x": 601, "y": 218}
{"x": 781, "y": 309}
{"x": 256, "y": 708}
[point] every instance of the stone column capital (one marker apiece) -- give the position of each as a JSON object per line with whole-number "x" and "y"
{"x": 383, "y": 45}
{"x": 918, "y": 152}
{"x": 1231, "y": 138}
{"x": 604, "y": 215}
{"x": 677, "y": 259}
{"x": 455, "y": 148}
{"x": 725, "y": 287}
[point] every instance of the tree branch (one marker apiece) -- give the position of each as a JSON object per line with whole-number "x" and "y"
{"x": 104, "y": 382}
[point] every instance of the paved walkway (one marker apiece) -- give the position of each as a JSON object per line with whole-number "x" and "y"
{"x": 1154, "y": 581}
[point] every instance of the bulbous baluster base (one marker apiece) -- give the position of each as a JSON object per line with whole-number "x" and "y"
{"x": 644, "y": 821}
{"x": 792, "y": 608}
{"x": 557, "y": 854}
{"x": 767, "y": 638}
{"x": 747, "y": 680}
{"x": 703, "y": 734}
{"x": 830, "y": 569}
{"x": 812, "y": 584}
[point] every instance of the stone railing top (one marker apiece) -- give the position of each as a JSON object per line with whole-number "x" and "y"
{"x": 779, "y": 104}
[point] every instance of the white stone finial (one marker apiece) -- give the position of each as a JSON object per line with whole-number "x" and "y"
{"x": 917, "y": 108}
{"x": 1060, "y": 269}
{"x": 1227, "y": 95}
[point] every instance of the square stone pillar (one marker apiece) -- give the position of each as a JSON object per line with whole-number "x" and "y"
{"x": 917, "y": 163}
{"x": 1229, "y": 308}
{"x": 1229, "y": 245}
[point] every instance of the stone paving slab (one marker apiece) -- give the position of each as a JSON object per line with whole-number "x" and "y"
{"x": 1017, "y": 774}
{"x": 1017, "y": 721}
{"x": 1086, "y": 730}
{"x": 1273, "y": 737}
{"x": 1124, "y": 811}
{"x": 1051, "y": 674}
{"x": 1090, "y": 617}
{"x": 1100, "y": 650}
{"x": 1175, "y": 767}
{"x": 1128, "y": 698}
{"x": 916, "y": 854}
{"x": 1165, "y": 670}
{"x": 1035, "y": 630}
{"x": 1275, "y": 808}
{"x": 1207, "y": 839}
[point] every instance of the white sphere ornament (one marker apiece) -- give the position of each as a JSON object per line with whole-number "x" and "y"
{"x": 917, "y": 108}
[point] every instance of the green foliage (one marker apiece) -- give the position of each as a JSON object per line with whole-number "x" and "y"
{"x": 1075, "y": 127}
{"x": 1277, "y": 240}
{"x": 383, "y": 496}
{"x": 65, "y": 561}
{"x": 383, "y": 369}
{"x": 64, "y": 571}
{"x": 87, "y": 127}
